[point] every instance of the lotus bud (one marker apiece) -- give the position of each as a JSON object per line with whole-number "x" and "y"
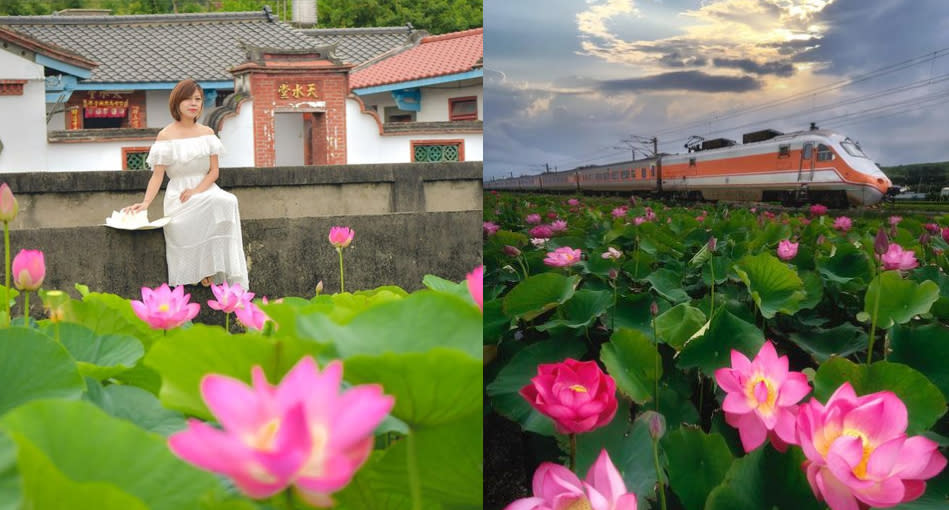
{"x": 613, "y": 273}
{"x": 924, "y": 238}
{"x": 712, "y": 243}
{"x": 8, "y": 205}
{"x": 657, "y": 424}
{"x": 654, "y": 309}
{"x": 319, "y": 288}
{"x": 881, "y": 244}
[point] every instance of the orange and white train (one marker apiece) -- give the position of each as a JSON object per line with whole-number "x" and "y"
{"x": 816, "y": 166}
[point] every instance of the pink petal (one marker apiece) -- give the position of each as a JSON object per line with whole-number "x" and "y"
{"x": 881, "y": 419}
{"x": 887, "y": 493}
{"x": 238, "y": 408}
{"x": 881, "y": 462}
{"x": 912, "y": 489}
{"x": 785, "y": 425}
{"x": 304, "y": 383}
{"x": 735, "y": 403}
{"x": 728, "y": 380}
{"x": 336, "y": 473}
{"x": 625, "y": 502}
{"x": 740, "y": 363}
{"x": 835, "y": 493}
{"x": 844, "y": 455}
{"x": 552, "y": 480}
{"x": 293, "y": 445}
{"x": 752, "y": 432}
{"x": 605, "y": 478}
{"x": 358, "y": 412}
{"x": 527, "y": 504}
{"x": 793, "y": 389}
{"x": 919, "y": 458}
{"x": 315, "y": 498}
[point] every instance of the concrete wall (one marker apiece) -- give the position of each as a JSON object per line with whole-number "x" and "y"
{"x": 410, "y": 220}
{"x": 23, "y": 126}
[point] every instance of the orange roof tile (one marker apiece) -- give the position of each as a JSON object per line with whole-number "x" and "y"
{"x": 436, "y": 55}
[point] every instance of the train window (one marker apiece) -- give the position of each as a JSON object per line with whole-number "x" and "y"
{"x": 625, "y": 174}
{"x": 652, "y": 171}
{"x": 691, "y": 161}
{"x": 808, "y": 150}
{"x": 784, "y": 150}
{"x": 644, "y": 173}
{"x": 824, "y": 153}
{"x": 852, "y": 149}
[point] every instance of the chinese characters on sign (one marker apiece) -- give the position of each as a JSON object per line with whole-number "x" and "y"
{"x": 101, "y": 104}
{"x": 296, "y": 91}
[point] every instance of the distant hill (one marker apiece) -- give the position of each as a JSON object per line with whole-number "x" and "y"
{"x": 924, "y": 177}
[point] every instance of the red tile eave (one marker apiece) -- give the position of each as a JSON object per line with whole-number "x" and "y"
{"x": 47, "y": 49}
{"x": 434, "y": 56}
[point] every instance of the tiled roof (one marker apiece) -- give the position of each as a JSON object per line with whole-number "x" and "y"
{"x": 436, "y": 55}
{"x": 357, "y": 45}
{"x": 161, "y": 48}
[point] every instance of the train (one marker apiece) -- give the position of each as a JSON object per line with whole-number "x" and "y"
{"x": 809, "y": 166}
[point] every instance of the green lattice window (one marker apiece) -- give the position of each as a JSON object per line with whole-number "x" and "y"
{"x": 135, "y": 159}
{"x": 432, "y": 153}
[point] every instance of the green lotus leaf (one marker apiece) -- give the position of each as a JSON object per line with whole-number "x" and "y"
{"x": 137, "y": 406}
{"x": 678, "y": 324}
{"x": 773, "y": 285}
{"x": 926, "y": 349}
{"x": 823, "y": 344}
{"x": 639, "y": 265}
{"x": 494, "y": 323}
{"x": 712, "y": 350}
{"x": 924, "y": 402}
{"x": 518, "y": 372}
{"x": 632, "y": 312}
{"x": 813, "y": 288}
{"x": 539, "y": 293}
{"x": 899, "y": 300}
{"x": 765, "y": 478}
{"x": 97, "y": 356}
{"x": 668, "y": 284}
{"x": 34, "y": 366}
{"x": 108, "y": 314}
{"x": 697, "y": 464}
{"x": 630, "y": 357}
{"x": 848, "y": 263}
{"x": 581, "y": 310}
{"x": 940, "y": 308}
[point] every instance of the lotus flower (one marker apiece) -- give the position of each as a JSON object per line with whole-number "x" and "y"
{"x": 340, "y": 237}
{"x": 562, "y": 257}
{"x": 612, "y": 253}
{"x": 818, "y": 210}
{"x": 932, "y": 228}
{"x": 898, "y": 258}
{"x": 945, "y": 234}
{"x": 475, "y": 286}
{"x": 538, "y": 242}
{"x": 761, "y": 397}
{"x": 542, "y": 232}
{"x": 843, "y": 223}
{"x": 858, "y": 453}
{"x": 510, "y": 251}
{"x": 895, "y": 220}
{"x": 577, "y": 395}
{"x": 8, "y": 204}
{"x": 639, "y": 220}
{"x": 29, "y": 270}
{"x": 490, "y": 228}
{"x": 573, "y": 202}
{"x": 619, "y": 212}
{"x": 163, "y": 308}
{"x": 558, "y": 226}
{"x": 650, "y": 215}
{"x": 556, "y": 487}
{"x": 532, "y": 219}
{"x": 302, "y": 432}
{"x": 228, "y": 298}
{"x": 250, "y": 315}
{"x": 787, "y": 250}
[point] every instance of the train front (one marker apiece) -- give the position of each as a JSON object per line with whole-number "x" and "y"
{"x": 866, "y": 183}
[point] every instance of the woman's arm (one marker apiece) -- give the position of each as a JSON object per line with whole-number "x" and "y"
{"x": 205, "y": 183}
{"x": 154, "y": 184}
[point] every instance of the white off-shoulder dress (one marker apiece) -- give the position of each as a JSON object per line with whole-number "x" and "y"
{"x": 203, "y": 237}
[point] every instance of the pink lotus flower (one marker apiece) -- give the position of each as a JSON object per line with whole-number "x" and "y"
{"x": 511, "y": 251}
{"x": 490, "y": 228}
{"x": 556, "y": 487}
{"x": 475, "y": 286}
{"x": 228, "y": 298}
{"x": 558, "y": 226}
{"x": 538, "y": 242}
{"x": 945, "y": 234}
{"x": 29, "y": 269}
{"x": 532, "y": 219}
{"x": 163, "y": 308}
{"x": 577, "y": 395}
{"x": 302, "y": 432}
{"x": 858, "y": 453}
{"x": 898, "y": 258}
{"x": 818, "y": 210}
{"x": 573, "y": 202}
{"x": 612, "y": 253}
{"x": 932, "y": 228}
{"x": 551, "y": 215}
{"x": 542, "y": 232}
{"x": 619, "y": 212}
{"x": 8, "y": 204}
{"x": 787, "y": 250}
{"x": 762, "y": 397}
{"x": 843, "y": 223}
{"x": 895, "y": 220}
{"x": 639, "y": 220}
{"x": 250, "y": 315}
{"x": 340, "y": 237}
{"x": 650, "y": 215}
{"x": 563, "y": 257}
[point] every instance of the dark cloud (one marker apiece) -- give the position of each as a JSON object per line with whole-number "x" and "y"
{"x": 784, "y": 69}
{"x": 695, "y": 81}
{"x": 676, "y": 59}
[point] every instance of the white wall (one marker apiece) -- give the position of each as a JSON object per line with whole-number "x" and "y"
{"x": 237, "y": 135}
{"x": 67, "y": 157}
{"x": 157, "y": 114}
{"x": 23, "y": 118}
{"x": 435, "y": 102}
{"x": 365, "y": 145}
{"x": 288, "y": 139}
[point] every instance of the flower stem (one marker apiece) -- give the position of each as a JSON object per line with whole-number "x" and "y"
{"x": 227, "y": 322}
{"x": 341, "y": 287}
{"x": 661, "y": 485}
{"x": 573, "y": 451}
{"x": 656, "y": 338}
{"x": 873, "y": 322}
{"x": 26, "y": 308}
{"x": 6, "y": 252}
{"x": 613, "y": 315}
{"x": 415, "y": 487}
{"x": 711, "y": 306}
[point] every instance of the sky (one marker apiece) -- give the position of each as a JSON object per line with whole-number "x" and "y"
{"x": 570, "y": 83}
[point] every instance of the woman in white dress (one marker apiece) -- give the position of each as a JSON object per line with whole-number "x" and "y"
{"x": 203, "y": 239}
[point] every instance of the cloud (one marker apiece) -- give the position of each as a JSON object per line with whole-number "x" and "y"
{"x": 696, "y": 81}
{"x": 750, "y": 66}
{"x": 592, "y": 22}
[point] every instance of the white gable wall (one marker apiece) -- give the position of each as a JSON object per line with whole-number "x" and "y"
{"x": 237, "y": 135}
{"x": 23, "y": 125}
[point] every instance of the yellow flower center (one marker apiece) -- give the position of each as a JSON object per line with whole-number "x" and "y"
{"x": 761, "y": 394}
{"x": 265, "y": 436}
{"x": 860, "y": 470}
{"x": 580, "y": 504}
{"x": 314, "y": 464}
{"x": 578, "y": 388}
{"x": 163, "y": 307}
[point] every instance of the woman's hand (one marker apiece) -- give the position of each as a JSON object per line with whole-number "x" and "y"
{"x": 186, "y": 194}
{"x": 132, "y": 209}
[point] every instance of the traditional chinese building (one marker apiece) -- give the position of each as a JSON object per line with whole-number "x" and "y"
{"x": 91, "y": 92}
